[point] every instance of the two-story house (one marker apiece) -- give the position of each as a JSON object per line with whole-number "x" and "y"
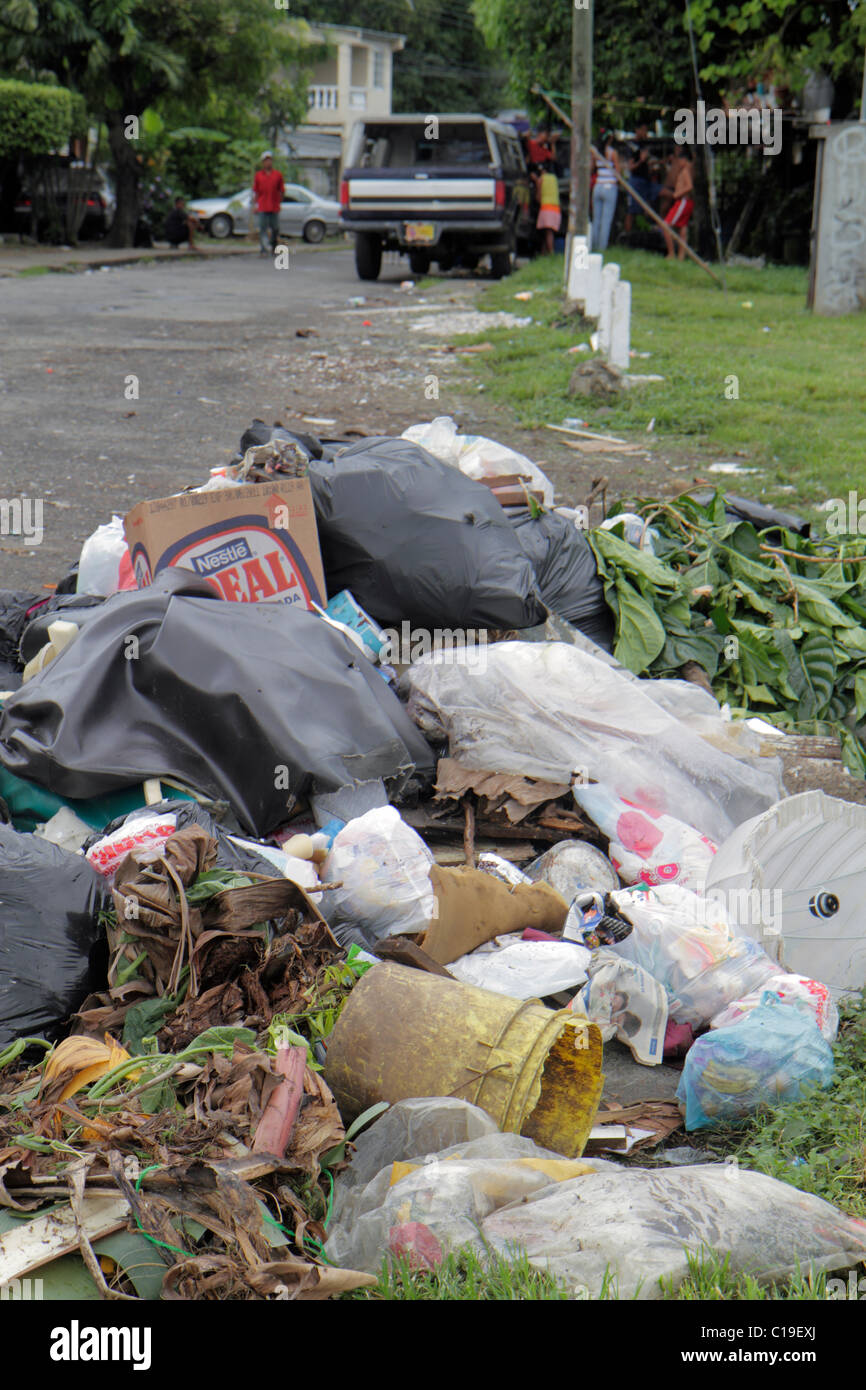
{"x": 355, "y": 81}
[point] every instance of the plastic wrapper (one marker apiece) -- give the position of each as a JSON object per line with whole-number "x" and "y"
{"x": 414, "y": 540}
{"x": 150, "y": 827}
{"x": 790, "y": 989}
{"x": 626, "y": 1003}
{"x": 449, "y": 1193}
{"x": 572, "y": 867}
{"x": 566, "y": 571}
{"x": 105, "y": 566}
{"x": 646, "y": 847}
{"x": 630, "y": 1228}
{"x": 687, "y": 943}
{"x": 547, "y": 710}
{"x": 209, "y": 682}
{"x": 383, "y": 867}
{"x": 523, "y": 969}
{"x": 765, "y": 1059}
{"x": 476, "y": 456}
{"x": 502, "y": 869}
{"x": 53, "y": 951}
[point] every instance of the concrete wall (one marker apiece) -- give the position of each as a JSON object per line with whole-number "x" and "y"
{"x": 838, "y": 272}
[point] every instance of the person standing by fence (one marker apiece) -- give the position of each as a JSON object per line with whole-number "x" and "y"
{"x": 604, "y": 194}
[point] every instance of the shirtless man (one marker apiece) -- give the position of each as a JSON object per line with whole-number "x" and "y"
{"x": 681, "y": 208}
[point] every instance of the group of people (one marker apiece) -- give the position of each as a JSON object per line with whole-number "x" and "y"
{"x": 665, "y": 185}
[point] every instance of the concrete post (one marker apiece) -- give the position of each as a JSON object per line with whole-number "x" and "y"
{"x": 620, "y": 334}
{"x": 578, "y": 271}
{"x": 592, "y": 300}
{"x": 609, "y": 279}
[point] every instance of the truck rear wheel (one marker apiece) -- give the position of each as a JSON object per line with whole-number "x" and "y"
{"x": 368, "y": 255}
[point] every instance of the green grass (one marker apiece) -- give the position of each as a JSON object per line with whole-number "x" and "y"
{"x": 710, "y": 1280}
{"x": 462, "y": 1278}
{"x": 797, "y": 417}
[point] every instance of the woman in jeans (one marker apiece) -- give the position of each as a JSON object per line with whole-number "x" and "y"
{"x": 604, "y": 195}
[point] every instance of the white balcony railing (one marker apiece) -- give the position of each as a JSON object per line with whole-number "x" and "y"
{"x": 322, "y": 98}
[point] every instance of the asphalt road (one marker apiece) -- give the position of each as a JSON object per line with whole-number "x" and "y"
{"x": 206, "y": 345}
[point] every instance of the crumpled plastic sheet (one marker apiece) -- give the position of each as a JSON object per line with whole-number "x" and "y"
{"x": 549, "y": 709}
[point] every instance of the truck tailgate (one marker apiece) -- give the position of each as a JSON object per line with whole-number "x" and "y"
{"x": 385, "y": 192}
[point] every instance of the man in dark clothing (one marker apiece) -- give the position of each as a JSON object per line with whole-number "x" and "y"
{"x": 639, "y": 176}
{"x": 180, "y": 225}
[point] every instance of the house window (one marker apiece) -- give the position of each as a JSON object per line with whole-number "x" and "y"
{"x": 378, "y": 68}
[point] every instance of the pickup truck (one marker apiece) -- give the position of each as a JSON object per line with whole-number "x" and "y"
{"x": 449, "y": 188}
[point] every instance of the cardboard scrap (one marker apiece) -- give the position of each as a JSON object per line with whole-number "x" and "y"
{"x": 473, "y": 907}
{"x": 518, "y": 796}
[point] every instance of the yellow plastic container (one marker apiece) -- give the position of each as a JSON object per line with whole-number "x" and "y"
{"x": 402, "y": 1033}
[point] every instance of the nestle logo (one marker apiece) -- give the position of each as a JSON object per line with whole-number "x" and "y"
{"x": 227, "y": 554}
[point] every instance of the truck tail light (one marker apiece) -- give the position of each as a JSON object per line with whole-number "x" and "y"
{"x": 500, "y": 193}
{"x": 344, "y": 193}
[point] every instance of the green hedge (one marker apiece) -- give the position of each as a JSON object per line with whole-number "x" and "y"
{"x": 36, "y": 119}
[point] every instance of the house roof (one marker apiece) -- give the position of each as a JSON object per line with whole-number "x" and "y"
{"x": 372, "y": 36}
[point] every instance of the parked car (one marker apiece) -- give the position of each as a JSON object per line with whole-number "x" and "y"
{"x": 302, "y": 214}
{"x": 436, "y": 188}
{"x": 99, "y": 208}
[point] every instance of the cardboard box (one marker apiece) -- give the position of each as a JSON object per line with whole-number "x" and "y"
{"x": 254, "y": 542}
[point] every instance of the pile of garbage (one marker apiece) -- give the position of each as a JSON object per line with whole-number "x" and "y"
{"x": 343, "y": 858}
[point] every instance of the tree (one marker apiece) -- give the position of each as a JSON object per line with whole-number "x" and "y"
{"x": 640, "y": 54}
{"x": 123, "y": 56}
{"x": 445, "y": 65}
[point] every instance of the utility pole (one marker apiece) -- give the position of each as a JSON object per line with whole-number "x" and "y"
{"x": 581, "y": 120}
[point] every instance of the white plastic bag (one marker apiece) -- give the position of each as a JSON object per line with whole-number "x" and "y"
{"x": 631, "y": 1227}
{"x": 384, "y": 869}
{"x": 101, "y": 557}
{"x": 549, "y": 709}
{"x": 646, "y": 847}
{"x": 523, "y": 969}
{"x": 790, "y": 989}
{"x": 477, "y": 456}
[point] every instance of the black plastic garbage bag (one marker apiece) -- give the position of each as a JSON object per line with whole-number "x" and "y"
{"x": 415, "y": 539}
{"x": 53, "y": 951}
{"x": 68, "y": 608}
{"x": 14, "y": 610}
{"x": 566, "y": 572}
{"x": 252, "y": 703}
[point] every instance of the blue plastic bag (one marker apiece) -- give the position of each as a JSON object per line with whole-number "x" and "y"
{"x": 762, "y": 1060}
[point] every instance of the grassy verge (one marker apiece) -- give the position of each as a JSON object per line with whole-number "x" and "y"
{"x": 798, "y": 375}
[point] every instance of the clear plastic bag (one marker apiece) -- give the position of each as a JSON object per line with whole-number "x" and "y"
{"x": 449, "y": 1192}
{"x": 383, "y": 867}
{"x": 791, "y": 989}
{"x": 420, "y": 1125}
{"x": 549, "y": 709}
{"x": 762, "y": 1060}
{"x": 629, "y": 1228}
{"x": 687, "y": 944}
{"x": 572, "y": 866}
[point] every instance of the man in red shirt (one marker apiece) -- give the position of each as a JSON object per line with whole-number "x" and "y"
{"x": 268, "y": 188}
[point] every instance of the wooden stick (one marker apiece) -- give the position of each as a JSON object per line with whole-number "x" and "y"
{"x": 638, "y": 199}
{"x": 469, "y": 832}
